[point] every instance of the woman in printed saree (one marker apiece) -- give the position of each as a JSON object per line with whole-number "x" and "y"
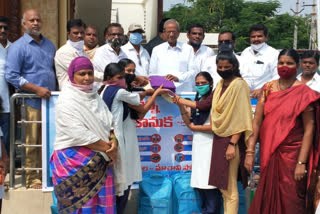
{"x": 84, "y": 146}
{"x": 284, "y": 121}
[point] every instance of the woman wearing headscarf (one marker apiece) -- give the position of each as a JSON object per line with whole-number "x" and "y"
{"x": 84, "y": 146}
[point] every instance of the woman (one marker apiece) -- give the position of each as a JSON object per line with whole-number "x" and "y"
{"x": 121, "y": 103}
{"x": 231, "y": 125}
{"x": 199, "y": 123}
{"x": 284, "y": 121}
{"x": 84, "y": 146}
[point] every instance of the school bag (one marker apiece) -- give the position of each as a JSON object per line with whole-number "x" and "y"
{"x": 155, "y": 195}
{"x": 186, "y": 200}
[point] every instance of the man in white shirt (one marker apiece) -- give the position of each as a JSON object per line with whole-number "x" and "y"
{"x": 90, "y": 41}
{"x": 134, "y": 50}
{"x": 110, "y": 52}
{"x": 226, "y": 43}
{"x": 174, "y": 59}
{"x": 72, "y": 49}
{"x": 261, "y": 60}
{"x": 309, "y": 65}
{"x": 201, "y": 52}
{"x": 4, "y": 89}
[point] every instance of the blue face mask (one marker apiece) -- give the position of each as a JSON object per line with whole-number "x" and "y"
{"x": 203, "y": 89}
{"x": 135, "y": 38}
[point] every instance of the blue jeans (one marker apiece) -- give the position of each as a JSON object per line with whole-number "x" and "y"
{"x": 5, "y": 127}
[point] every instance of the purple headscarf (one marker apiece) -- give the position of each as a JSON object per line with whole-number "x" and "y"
{"x": 77, "y": 64}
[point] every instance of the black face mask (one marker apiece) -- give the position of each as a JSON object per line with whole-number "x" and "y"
{"x": 129, "y": 78}
{"x": 226, "y": 74}
{"x": 224, "y": 47}
{"x": 115, "y": 43}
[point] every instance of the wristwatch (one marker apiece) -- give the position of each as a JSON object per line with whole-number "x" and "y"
{"x": 232, "y": 144}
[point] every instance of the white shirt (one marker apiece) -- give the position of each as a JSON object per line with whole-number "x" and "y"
{"x": 104, "y": 56}
{"x": 4, "y": 91}
{"x": 261, "y": 67}
{"x": 211, "y": 67}
{"x": 141, "y": 60}
{"x": 201, "y": 56}
{"x": 314, "y": 83}
{"x": 177, "y": 61}
{"x": 62, "y": 60}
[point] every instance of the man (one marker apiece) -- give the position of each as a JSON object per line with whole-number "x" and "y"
{"x": 91, "y": 41}
{"x": 112, "y": 51}
{"x": 226, "y": 43}
{"x": 72, "y": 49}
{"x": 159, "y": 39}
{"x": 134, "y": 50}
{"x": 261, "y": 60}
{"x": 309, "y": 65}
{"x": 201, "y": 52}
{"x": 29, "y": 67}
{"x": 174, "y": 59}
{"x": 4, "y": 90}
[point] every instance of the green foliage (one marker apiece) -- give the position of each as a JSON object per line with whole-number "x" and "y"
{"x": 238, "y": 16}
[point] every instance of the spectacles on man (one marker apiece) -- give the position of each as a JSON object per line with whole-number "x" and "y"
{"x": 115, "y": 34}
{"x": 4, "y": 27}
{"x": 225, "y": 41}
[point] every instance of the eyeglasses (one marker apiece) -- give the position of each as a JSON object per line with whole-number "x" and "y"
{"x": 225, "y": 41}
{"x": 115, "y": 34}
{"x": 4, "y": 27}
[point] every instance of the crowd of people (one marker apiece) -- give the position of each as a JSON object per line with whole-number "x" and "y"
{"x": 96, "y": 154}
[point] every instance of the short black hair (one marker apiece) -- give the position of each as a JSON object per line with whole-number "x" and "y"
{"x": 195, "y": 25}
{"x": 161, "y": 24}
{"x": 311, "y": 54}
{"x": 259, "y": 27}
{"x": 233, "y": 36}
{"x": 106, "y": 30}
{"x": 4, "y": 19}
{"x": 75, "y": 23}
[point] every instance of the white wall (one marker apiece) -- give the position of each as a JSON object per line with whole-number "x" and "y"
{"x": 142, "y": 12}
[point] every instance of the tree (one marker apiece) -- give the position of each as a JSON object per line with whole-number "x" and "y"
{"x": 238, "y": 16}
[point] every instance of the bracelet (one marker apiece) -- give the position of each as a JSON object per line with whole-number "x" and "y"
{"x": 250, "y": 151}
{"x": 301, "y": 163}
{"x": 250, "y": 154}
{"x": 232, "y": 144}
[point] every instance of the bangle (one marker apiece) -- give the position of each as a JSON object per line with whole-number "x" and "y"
{"x": 232, "y": 144}
{"x": 184, "y": 113}
{"x": 301, "y": 163}
{"x": 115, "y": 139}
{"x": 250, "y": 151}
{"x": 250, "y": 154}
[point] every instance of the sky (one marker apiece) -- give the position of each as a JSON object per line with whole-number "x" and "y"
{"x": 286, "y": 5}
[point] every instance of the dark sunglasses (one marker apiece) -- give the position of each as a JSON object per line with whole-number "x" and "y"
{"x": 4, "y": 27}
{"x": 225, "y": 41}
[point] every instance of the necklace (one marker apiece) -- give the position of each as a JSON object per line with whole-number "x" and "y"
{"x": 279, "y": 86}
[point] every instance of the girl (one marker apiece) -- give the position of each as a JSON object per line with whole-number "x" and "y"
{"x": 121, "y": 102}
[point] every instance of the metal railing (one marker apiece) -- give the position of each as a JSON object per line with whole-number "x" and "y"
{"x": 13, "y": 142}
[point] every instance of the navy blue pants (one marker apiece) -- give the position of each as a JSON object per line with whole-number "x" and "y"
{"x": 211, "y": 201}
{"x": 122, "y": 201}
{"x": 5, "y": 127}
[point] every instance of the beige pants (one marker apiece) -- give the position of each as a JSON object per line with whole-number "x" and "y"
{"x": 33, "y": 154}
{"x": 231, "y": 196}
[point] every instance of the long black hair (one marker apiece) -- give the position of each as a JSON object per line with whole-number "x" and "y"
{"x": 232, "y": 59}
{"x": 110, "y": 71}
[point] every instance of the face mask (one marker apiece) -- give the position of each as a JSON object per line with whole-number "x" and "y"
{"x": 84, "y": 88}
{"x": 196, "y": 46}
{"x": 129, "y": 78}
{"x": 121, "y": 83}
{"x": 135, "y": 38}
{"x": 226, "y": 74}
{"x": 286, "y": 72}
{"x": 203, "y": 89}
{"x": 224, "y": 47}
{"x": 78, "y": 46}
{"x": 115, "y": 43}
{"x": 257, "y": 47}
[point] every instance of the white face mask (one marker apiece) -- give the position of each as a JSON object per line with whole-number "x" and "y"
{"x": 257, "y": 47}
{"x": 78, "y": 46}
